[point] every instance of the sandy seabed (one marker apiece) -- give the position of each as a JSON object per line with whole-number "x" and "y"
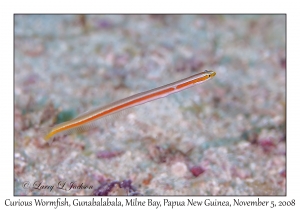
{"x": 226, "y": 136}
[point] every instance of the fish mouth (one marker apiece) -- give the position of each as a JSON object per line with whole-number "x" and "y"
{"x": 213, "y": 74}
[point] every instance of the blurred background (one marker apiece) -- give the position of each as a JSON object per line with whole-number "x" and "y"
{"x": 223, "y": 137}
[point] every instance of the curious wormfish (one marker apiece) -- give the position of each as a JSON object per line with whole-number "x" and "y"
{"x": 86, "y": 120}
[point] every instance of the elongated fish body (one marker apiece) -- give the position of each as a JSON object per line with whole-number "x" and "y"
{"x": 84, "y": 120}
